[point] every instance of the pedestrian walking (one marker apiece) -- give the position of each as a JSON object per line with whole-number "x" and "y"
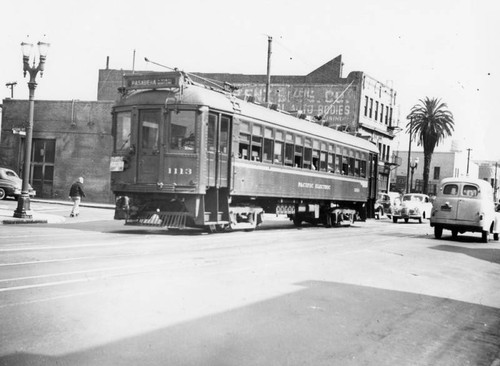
{"x": 76, "y": 193}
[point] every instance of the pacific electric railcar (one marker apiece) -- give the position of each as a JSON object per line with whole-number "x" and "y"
{"x": 187, "y": 155}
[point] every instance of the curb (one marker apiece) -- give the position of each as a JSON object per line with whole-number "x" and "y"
{"x": 25, "y": 221}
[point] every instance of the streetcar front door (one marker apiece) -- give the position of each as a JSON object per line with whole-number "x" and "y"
{"x": 148, "y": 164}
{"x": 218, "y": 133}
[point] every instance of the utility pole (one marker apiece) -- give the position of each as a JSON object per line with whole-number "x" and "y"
{"x": 495, "y": 188}
{"x": 11, "y": 86}
{"x": 468, "y": 159}
{"x": 409, "y": 159}
{"x": 268, "y": 83}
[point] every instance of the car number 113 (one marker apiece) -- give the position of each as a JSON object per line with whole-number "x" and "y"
{"x": 180, "y": 171}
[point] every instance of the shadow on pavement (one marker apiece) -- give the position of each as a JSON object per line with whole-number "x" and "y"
{"x": 323, "y": 323}
{"x": 485, "y": 254}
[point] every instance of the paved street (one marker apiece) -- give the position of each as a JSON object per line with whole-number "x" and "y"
{"x": 90, "y": 291}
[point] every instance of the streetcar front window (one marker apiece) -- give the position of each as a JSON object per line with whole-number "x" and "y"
{"x": 123, "y": 131}
{"x": 150, "y": 125}
{"x": 183, "y": 131}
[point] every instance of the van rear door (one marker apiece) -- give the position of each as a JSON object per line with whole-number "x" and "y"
{"x": 468, "y": 203}
{"x": 446, "y": 204}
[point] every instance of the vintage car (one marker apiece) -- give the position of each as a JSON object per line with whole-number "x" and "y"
{"x": 414, "y": 206}
{"x": 465, "y": 204}
{"x": 11, "y": 184}
{"x": 385, "y": 203}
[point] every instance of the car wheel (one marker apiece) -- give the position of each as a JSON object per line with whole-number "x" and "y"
{"x": 438, "y": 232}
{"x": 484, "y": 236}
{"x": 2, "y": 193}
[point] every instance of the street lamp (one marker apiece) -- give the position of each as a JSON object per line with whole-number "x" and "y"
{"x": 413, "y": 167}
{"x": 23, "y": 204}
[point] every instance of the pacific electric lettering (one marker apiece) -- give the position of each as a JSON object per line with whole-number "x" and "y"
{"x": 314, "y": 186}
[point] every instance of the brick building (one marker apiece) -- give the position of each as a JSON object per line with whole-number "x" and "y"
{"x": 70, "y": 139}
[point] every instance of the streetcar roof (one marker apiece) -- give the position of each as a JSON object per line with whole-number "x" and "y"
{"x": 199, "y": 95}
{"x": 194, "y": 94}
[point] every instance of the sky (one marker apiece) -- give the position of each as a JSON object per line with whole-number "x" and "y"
{"x": 446, "y": 49}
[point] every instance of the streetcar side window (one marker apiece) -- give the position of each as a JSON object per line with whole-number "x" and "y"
{"x": 256, "y": 147}
{"x": 307, "y": 153}
{"x": 289, "y": 150}
{"x": 351, "y": 162}
{"x": 211, "y": 133}
{"x": 278, "y": 148}
{"x": 123, "y": 131}
{"x": 357, "y": 164}
{"x": 244, "y": 146}
{"x": 244, "y": 142}
{"x": 299, "y": 151}
{"x": 315, "y": 160}
{"x": 331, "y": 163}
{"x": 224, "y": 134}
{"x": 323, "y": 161}
{"x": 278, "y": 153}
{"x": 268, "y": 145}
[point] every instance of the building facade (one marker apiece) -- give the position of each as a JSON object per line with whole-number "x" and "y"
{"x": 70, "y": 139}
{"x": 452, "y": 163}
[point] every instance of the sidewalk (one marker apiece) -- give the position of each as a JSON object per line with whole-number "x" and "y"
{"x": 6, "y": 214}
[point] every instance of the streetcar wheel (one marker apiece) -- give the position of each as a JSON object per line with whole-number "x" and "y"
{"x": 438, "y": 232}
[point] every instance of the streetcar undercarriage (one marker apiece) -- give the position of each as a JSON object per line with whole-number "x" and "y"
{"x": 238, "y": 213}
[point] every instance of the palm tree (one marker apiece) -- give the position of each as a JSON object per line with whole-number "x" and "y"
{"x": 430, "y": 123}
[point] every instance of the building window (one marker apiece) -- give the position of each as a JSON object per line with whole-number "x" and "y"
{"x": 371, "y": 107}
{"x": 381, "y": 113}
{"x": 366, "y": 106}
{"x": 376, "y": 111}
{"x": 437, "y": 171}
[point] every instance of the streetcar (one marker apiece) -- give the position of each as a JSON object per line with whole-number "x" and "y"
{"x": 187, "y": 154}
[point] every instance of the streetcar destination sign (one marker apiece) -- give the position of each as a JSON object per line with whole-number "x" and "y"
{"x": 150, "y": 81}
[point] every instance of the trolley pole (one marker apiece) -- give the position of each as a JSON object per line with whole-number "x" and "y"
{"x": 268, "y": 83}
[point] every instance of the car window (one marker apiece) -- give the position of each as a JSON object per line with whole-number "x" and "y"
{"x": 450, "y": 189}
{"x": 470, "y": 191}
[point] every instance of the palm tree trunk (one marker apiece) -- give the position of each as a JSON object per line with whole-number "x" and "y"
{"x": 427, "y": 168}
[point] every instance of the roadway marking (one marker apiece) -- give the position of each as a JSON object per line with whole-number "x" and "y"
{"x": 66, "y": 260}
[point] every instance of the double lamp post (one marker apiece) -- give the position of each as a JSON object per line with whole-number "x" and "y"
{"x": 23, "y": 209}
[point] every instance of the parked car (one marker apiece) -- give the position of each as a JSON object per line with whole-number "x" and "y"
{"x": 416, "y": 206}
{"x": 465, "y": 204}
{"x": 385, "y": 203}
{"x": 11, "y": 185}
